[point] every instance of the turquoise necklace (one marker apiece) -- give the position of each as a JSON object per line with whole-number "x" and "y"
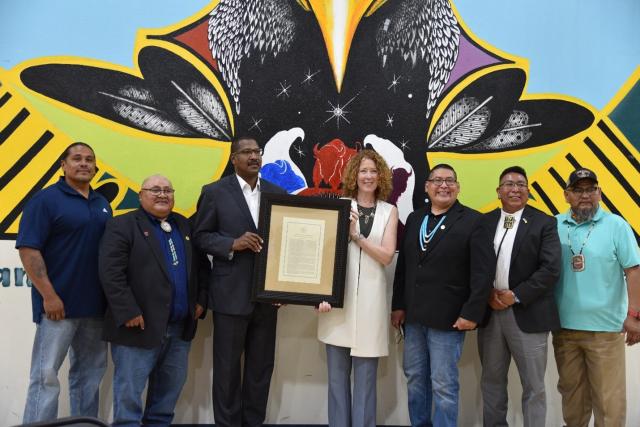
{"x": 425, "y": 235}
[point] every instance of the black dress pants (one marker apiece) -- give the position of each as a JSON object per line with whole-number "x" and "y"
{"x": 240, "y": 398}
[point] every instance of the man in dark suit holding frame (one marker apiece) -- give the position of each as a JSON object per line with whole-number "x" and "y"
{"x": 522, "y": 303}
{"x": 226, "y": 228}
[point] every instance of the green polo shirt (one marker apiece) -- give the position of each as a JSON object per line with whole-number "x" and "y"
{"x": 595, "y": 299}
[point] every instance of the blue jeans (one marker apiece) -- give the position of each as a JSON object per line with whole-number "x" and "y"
{"x": 431, "y": 366}
{"x": 165, "y": 367}
{"x": 81, "y": 338}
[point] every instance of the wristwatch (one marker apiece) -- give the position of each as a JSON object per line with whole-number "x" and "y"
{"x": 515, "y": 298}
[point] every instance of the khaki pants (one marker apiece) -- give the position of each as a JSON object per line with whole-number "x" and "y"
{"x": 591, "y": 366}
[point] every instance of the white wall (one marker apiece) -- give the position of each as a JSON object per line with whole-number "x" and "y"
{"x": 298, "y": 389}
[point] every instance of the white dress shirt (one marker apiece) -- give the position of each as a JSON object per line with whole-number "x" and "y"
{"x": 252, "y": 196}
{"x": 504, "y": 257}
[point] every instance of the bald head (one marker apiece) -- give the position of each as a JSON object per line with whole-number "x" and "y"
{"x": 154, "y": 178}
{"x": 156, "y": 196}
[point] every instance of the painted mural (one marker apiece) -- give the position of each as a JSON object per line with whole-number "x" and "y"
{"x": 314, "y": 81}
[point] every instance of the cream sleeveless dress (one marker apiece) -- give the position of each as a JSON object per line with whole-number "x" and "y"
{"x": 363, "y": 323}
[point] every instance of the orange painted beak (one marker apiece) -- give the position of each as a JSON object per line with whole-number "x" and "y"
{"x": 338, "y": 20}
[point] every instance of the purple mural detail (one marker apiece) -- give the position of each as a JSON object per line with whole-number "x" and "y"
{"x": 470, "y": 57}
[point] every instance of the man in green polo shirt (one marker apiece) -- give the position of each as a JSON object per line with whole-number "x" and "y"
{"x": 598, "y": 297}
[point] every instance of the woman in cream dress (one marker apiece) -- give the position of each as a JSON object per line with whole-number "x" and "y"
{"x": 358, "y": 334}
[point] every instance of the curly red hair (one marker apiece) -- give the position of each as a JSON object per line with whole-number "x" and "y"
{"x": 350, "y": 175}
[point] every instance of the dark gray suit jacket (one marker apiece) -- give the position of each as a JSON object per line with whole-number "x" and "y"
{"x": 534, "y": 270}
{"x": 222, "y": 216}
{"x": 135, "y": 280}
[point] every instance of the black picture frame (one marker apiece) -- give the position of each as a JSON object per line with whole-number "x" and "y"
{"x": 334, "y": 212}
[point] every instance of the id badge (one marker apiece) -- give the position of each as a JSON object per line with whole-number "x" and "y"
{"x": 577, "y": 262}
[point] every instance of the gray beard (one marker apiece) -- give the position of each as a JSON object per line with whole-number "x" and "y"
{"x": 583, "y": 215}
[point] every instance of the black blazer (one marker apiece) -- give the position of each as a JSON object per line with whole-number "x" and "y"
{"x": 534, "y": 270}
{"x": 450, "y": 279}
{"x": 222, "y": 216}
{"x": 135, "y": 280}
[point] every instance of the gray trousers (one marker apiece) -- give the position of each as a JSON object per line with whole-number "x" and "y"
{"x": 343, "y": 412}
{"x": 497, "y": 343}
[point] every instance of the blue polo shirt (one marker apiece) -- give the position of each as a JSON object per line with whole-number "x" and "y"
{"x": 172, "y": 245}
{"x": 66, "y": 228}
{"x": 595, "y": 299}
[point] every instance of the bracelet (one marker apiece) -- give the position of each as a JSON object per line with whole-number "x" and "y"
{"x": 633, "y": 313}
{"x": 356, "y": 237}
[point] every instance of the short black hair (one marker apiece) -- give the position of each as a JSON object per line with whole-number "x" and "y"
{"x": 442, "y": 166}
{"x": 513, "y": 169}
{"x": 67, "y": 150}
{"x": 235, "y": 142}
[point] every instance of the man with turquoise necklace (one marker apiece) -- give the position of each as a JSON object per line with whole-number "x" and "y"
{"x": 441, "y": 288}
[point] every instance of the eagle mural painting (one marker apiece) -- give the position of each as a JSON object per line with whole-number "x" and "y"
{"x": 314, "y": 81}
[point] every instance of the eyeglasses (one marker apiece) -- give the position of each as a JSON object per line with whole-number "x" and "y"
{"x": 511, "y": 185}
{"x": 584, "y": 190}
{"x": 249, "y": 151}
{"x": 438, "y": 181}
{"x": 156, "y": 191}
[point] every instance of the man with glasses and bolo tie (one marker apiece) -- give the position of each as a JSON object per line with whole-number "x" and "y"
{"x": 226, "y": 228}
{"x": 598, "y": 297}
{"x": 441, "y": 288}
{"x": 522, "y": 308}
{"x": 156, "y": 289}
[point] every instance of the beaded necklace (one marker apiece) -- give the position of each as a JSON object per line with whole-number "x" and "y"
{"x": 425, "y": 236}
{"x": 366, "y": 213}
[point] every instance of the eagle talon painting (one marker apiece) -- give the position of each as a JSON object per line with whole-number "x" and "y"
{"x": 314, "y": 81}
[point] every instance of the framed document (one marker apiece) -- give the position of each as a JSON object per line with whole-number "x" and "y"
{"x": 304, "y": 254}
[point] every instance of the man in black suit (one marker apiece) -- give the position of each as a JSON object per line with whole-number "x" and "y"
{"x": 226, "y": 228}
{"x": 440, "y": 290}
{"x": 156, "y": 289}
{"x": 522, "y": 304}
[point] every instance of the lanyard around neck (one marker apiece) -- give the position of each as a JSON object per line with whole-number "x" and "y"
{"x": 584, "y": 242}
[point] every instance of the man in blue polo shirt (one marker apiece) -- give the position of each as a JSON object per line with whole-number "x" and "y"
{"x": 600, "y": 274}
{"x": 58, "y": 240}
